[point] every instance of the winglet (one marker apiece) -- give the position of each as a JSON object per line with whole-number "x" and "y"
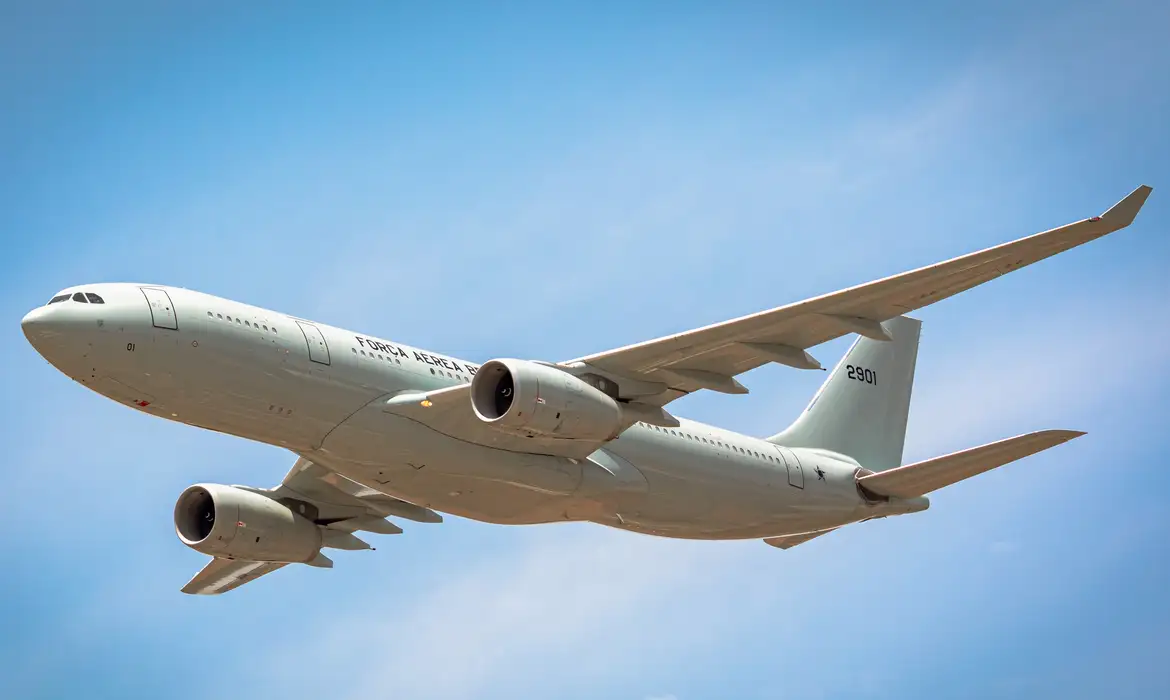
{"x": 1124, "y": 212}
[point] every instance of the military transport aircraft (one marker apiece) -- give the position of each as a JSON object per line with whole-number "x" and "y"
{"x": 381, "y": 429}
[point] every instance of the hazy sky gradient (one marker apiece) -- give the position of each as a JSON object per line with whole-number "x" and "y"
{"x": 544, "y": 182}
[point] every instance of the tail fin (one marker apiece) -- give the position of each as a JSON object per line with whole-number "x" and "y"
{"x": 861, "y": 409}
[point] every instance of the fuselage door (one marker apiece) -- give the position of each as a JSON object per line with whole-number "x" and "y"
{"x": 795, "y": 470}
{"x": 318, "y": 348}
{"x": 162, "y": 311}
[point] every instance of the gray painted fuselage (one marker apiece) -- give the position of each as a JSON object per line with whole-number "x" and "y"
{"x": 266, "y": 376}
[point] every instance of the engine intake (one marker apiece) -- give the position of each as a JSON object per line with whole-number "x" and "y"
{"x": 528, "y": 398}
{"x": 225, "y": 521}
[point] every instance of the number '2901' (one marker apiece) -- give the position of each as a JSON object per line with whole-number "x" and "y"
{"x": 861, "y": 374}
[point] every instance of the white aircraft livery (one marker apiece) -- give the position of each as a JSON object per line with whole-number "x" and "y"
{"x": 381, "y": 429}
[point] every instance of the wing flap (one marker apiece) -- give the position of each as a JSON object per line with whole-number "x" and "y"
{"x": 222, "y": 575}
{"x": 921, "y": 478}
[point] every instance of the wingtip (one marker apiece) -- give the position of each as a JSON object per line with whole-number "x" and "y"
{"x": 1064, "y": 435}
{"x": 1124, "y": 212}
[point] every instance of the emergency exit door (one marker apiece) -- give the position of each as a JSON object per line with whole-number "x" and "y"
{"x": 318, "y": 348}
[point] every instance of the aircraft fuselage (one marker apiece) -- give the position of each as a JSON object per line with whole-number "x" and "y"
{"x": 321, "y": 392}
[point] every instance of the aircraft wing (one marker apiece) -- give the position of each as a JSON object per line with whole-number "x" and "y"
{"x": 338, "y": 506}
{"x": 651, "y": 374}
{"x": 661, "y": 370}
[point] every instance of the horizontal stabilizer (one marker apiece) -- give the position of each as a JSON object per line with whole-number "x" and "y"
{"x": 790, "y": 541}
{"x": 923, "y": 477}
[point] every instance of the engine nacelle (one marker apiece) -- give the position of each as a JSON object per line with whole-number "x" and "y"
{"x": 225, "y": 521}
{"x": 527, "y": 398}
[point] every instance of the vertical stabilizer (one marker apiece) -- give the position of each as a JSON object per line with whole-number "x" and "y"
{"x": 861, "y": 409}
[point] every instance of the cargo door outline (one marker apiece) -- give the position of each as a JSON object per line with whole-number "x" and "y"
{"x": 162, "y": 311}
{"x": 795, "y": 470}
{"x": 315, "y": 340}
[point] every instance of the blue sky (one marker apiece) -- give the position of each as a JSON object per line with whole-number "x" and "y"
{"x": 544, "y": 182}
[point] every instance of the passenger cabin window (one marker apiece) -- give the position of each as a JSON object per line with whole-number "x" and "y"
{"x": 94, "y": 299}
{"x": 80, "y": 297}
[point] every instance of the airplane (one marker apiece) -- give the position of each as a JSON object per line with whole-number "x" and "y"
{"x": 381, "y": 429}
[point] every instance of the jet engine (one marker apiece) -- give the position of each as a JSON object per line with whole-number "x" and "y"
{"x": 528, "y": 398}
{"x": 229, "y": 522}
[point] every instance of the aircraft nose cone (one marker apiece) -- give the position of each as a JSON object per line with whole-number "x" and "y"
{"x": 33, "y": 322}
{"x": 41, "y": 326}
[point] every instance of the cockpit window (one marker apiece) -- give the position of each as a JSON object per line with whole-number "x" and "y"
{"x": 80, "y": 297}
